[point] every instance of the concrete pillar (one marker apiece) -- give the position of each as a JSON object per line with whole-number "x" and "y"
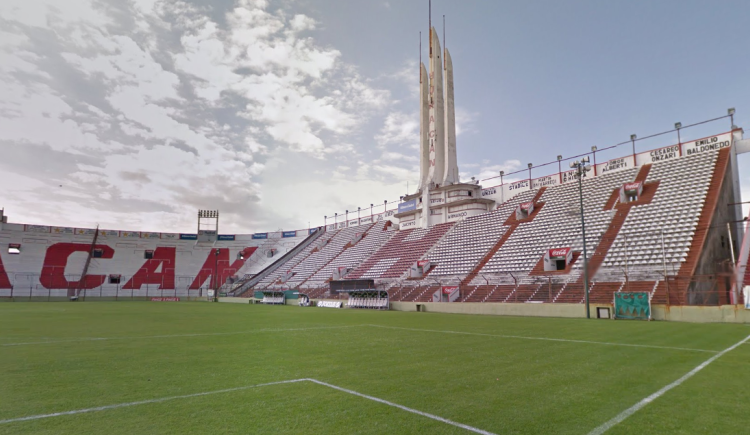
{"x": 450, "y": 174}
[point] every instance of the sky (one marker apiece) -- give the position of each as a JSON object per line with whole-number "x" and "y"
{"x": 134, "y": 114}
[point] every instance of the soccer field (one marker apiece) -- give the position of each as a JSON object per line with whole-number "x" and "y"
{"x": 198, "y": 368}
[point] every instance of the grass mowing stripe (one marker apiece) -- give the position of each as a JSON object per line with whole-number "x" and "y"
{"x": 564, "y": 340}
{"x": 633, "y": 409}
{"x": 229, "y": 390}
{"x": 404, "y": 408}
{"x": 207, "y": 334}
{"x": 144, "y": 402}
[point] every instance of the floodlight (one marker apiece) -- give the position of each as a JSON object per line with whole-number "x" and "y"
{"x": 730, "y": 111}
{"x": 502, "y": 173}
{"x": 585, "y": 159}
{"x": 574, "y": 164}
{"x": 633, "y": 137}
{"x": 559, "y": 158}
{"x": 530, "y": 165}
{"x": 677, "y": 125}
{"x": 593, "y": 148}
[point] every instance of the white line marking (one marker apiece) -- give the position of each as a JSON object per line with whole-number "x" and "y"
{"x": 207, "y": 334}
{"x": 633, "y": 409}
{"x": 144, "y": 402}
{"x": 229, "y": 390}
{"x": 564, "y": 340}
{"x": 404, "y": 408}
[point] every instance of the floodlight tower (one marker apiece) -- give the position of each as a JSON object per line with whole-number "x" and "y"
{"x": 208, "y": 225}
{"x": 581, "y": 167}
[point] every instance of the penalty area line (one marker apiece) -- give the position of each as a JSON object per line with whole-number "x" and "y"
{"x": 633, "y": 409}
{"x": 144, "y": 402}
{"x": 564, "y": 340}
{"x": 229, "y": 390}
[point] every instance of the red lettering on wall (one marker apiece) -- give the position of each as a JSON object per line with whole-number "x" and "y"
{"x": 55, "y": 260}
{"x": 220, "y": 264}
{"x": 4, "y": 281}
{"x": 158, "y": 270}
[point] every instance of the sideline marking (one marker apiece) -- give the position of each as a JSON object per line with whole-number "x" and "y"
{"x": 229, "y": 390}
{"x": 633, "y": 409}
{"x": 565, "y": 340}
{"x": 207, "y": 334}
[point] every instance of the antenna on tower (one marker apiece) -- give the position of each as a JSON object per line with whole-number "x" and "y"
{"x": 429, "y": 28}
{"x": 445, "y": 44}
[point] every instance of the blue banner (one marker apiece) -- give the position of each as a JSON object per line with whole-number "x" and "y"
{"x": 312, "y": 230}
{"x": 188, "y": 237}
{"x": 289, "y": 234}
{"x": 226, "y": 236}
{"x": 260, "y": 236}
{"x": 407, "y": 206}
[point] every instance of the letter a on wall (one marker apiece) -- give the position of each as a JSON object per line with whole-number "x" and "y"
{"x": 158, "y": 270}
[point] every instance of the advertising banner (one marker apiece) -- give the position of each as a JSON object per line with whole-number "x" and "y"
{"x": 257, "y": 236}
{"x": 165, "y": 299}
{"x": 353, "y": 222}
{"x": 227, "y": 237}
{"x": 36, "y": 229}
{"x": 63, "y": 230}
{"x": 286, "y": 234}
{"x": 170, "y": 236}
{"x": 130, "y": 234}
{"x": 150, "y": 235}
{"x": 190, "y": 237}
{"x": 449, "y": 289}
{"x": 109, "y": 233}
{"x": 407, "y": 206}
{"x": 559, "y": 254}
{"x": 85, "y": 231}
{"x": 311, "y": 230}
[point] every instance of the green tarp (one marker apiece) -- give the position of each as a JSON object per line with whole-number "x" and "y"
{"x": 632, "y": 305}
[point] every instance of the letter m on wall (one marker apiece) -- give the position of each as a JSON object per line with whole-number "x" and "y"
{"x": 219, "y": 263}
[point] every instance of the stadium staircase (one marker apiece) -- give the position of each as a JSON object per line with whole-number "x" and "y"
{"x": 243, "y": 289}
{"x": 400, "y": 252}
{"x": 82, "y": 281}
{"x": 575, "y": 293}
{"x": 512, "y": 224}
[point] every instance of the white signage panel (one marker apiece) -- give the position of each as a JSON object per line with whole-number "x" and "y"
{"x": 658, "y": 155}
{"x": 713, "y": 143}
{"x": 615, "y": 165}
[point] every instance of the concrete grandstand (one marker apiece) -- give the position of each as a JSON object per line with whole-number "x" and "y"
{"x": 663, "y": 221}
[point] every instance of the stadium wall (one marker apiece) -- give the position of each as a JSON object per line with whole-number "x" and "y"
{"x": 51, "y": 261}
{"x": 717, "y": 247}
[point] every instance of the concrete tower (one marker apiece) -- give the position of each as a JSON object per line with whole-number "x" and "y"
{"x": 436, "y": 127}
{"x": 450, "y": 175}
{"x": 424, "y": 119}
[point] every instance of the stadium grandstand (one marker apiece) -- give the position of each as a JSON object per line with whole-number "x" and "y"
{"x": 663, "y": 222}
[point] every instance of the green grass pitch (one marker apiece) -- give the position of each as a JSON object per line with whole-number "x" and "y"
{"x": 501, "y": 375}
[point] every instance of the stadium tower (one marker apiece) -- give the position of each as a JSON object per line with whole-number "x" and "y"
{"x": 439, "y": 180}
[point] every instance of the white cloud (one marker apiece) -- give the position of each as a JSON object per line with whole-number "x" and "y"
{"x": 152, "y": 116}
